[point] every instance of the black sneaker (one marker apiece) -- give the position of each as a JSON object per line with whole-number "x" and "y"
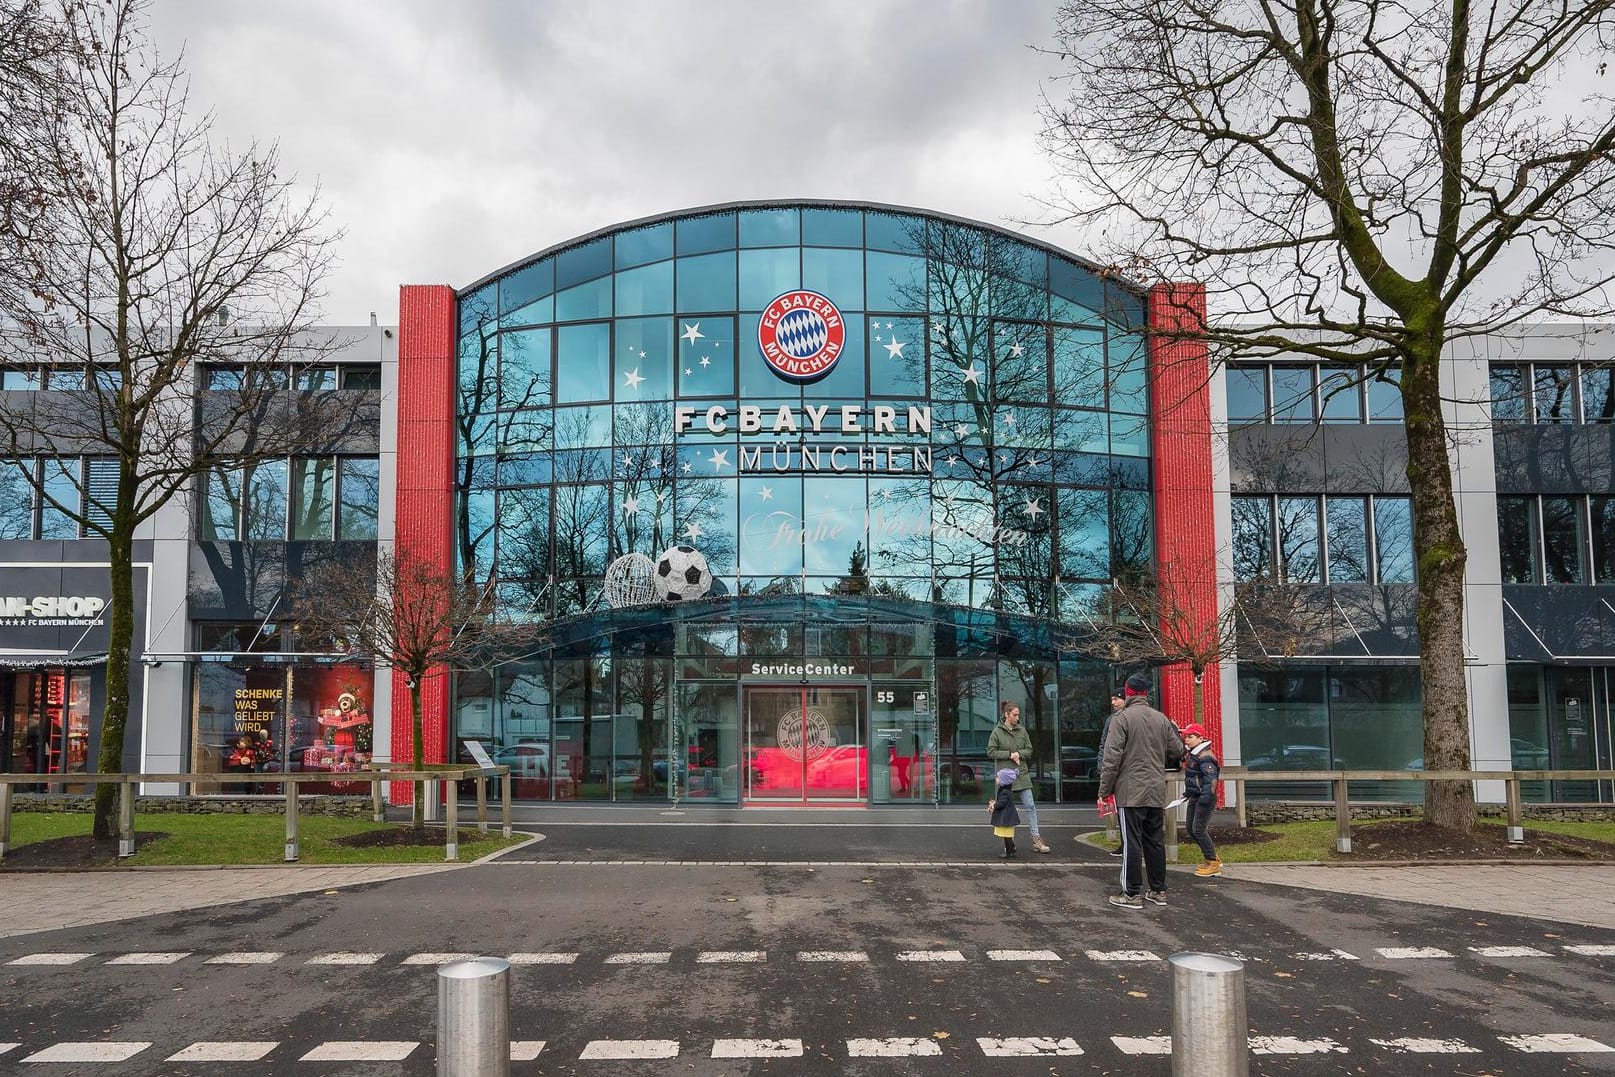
{"x": 1116, "y": 851}
{"x": 1127, "y": 901}
{"x": 1156, "y": 897}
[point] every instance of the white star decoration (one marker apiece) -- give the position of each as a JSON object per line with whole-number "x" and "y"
{"x": 692, "y": 530}
{"x": 686, "y": 468}
{"x": 1016, "y": 349}
{"x": 894, "y": 350}
{"x": 720, "y": 459}
{"x": 630, "y": 506}
{"x": 632, "y": 378}
{"x": 951, "y": 460}
{"x": 1009, "y": 419}
{"x": 627, "y": 459}
{"x": 766, "y": 493}
{"x": 688, "y": 372}
{"x": 962, "y": 430}
{"x": 692, "y": 333}
{"x": 705, "y": 361}
{"x": 1033, "y": 508}
{"x": 971, "y": 375}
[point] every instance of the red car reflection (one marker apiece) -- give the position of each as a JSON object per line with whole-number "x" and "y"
{"x": 838, "y": 771}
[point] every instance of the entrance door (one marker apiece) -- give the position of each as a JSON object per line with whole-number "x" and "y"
{"x": 805, "y": 744}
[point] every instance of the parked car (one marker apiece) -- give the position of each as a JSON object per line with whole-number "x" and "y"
{"x": 1297, "y": 757}
{"x": 1079, "y": 763}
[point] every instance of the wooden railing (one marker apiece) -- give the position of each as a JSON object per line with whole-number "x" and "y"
{"x": 1240, "y": 777}
{"x": 374, "y": 775}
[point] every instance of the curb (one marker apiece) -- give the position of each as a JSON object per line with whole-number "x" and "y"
{"x": 1360, "y": 864}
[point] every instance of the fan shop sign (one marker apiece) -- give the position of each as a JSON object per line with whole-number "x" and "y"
{"x": 51, "y": 611}
{"x": 821, "y": 420}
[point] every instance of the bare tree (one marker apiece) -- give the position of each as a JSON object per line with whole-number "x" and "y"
{"x": 1364, "y": 183}
{"x": 169, "y": 253}
{"x": 36, "y": 60}
{"x": 411, "y": 616}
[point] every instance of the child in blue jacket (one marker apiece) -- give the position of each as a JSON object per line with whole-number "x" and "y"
{"x": 1200, "y": 771}
{"x": 1004, "y": 816}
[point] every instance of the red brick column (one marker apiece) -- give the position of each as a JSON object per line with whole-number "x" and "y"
{"x": 425, "y": 505}
{"x": 1180, "y": 438}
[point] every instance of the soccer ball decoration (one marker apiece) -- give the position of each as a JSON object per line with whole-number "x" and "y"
{"x": 681, "y": 574}
{"x": 628, "y": 581}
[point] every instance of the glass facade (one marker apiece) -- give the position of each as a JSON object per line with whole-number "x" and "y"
{"x": 890, "y": 539}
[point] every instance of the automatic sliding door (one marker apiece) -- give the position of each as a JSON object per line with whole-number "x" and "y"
{"x": 804, "y": 744}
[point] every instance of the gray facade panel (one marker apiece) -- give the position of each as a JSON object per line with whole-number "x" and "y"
{"x": 1318, "y": 459}
{"x": 1555, "y": 458}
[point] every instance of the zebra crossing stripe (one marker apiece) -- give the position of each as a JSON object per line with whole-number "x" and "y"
{"x": 541, "y": 959}
{"x": 245, "y": 959}
{"x": 1291, "y": 1045}
{"x": 49, "y": 959}
{"x": 930, "y": 955}
{"x": 1022, "y": 955}
{"x": 1592, "y": 951}
{"x": 832, "y": 955}
{"x": 1143, "y": 1045}
{"x": 894, "y": 1047}
{"x": 653, "y": 958}
{"x": 346, "y": 959}
{"x": 1122, "y": 955}
{"x": 8, "y": 1047}
{"x": 728, "y": 957}
{"x": 218, "y": 1051}
{"x": 1506, "y": 951}
{"x": 1410, "y": 953}
{"x": 1556, "y": 1043}
{"x": 88, "y": 1052}
{"x": 1327, "y": 955}
{"x": 1028, "y": 1047}
{"x": 757, "y": 1049}
{"x": 148, "y": 958}
{"x": 1417, "y": 1045}
{"x": 525, "y": 1050}
{"x": 361, "y": 1051}
{"x": 436, "y": 959}
{"x": 629, "y": 1049}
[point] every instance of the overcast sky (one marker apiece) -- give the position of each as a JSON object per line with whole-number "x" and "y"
{"x": 451, "y": 139}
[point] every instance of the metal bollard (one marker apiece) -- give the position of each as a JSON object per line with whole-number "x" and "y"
{"x": 1210, "y": 1037}
{"x": 473, "y": 1018}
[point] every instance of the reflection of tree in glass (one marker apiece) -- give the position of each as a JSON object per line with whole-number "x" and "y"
{"x": 16, "y": 500}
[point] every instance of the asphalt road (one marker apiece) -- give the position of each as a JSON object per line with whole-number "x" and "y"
{"x": 846, "y": 960}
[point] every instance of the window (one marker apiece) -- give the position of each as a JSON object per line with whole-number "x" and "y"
{"x": 1247, "y": 394}
{"x": 1597, "y": 394}
{"x": 26, "y": 514}
{"x": 1393, "y": 539}
{"x": 65, "y": 379}
{"x": 221, "y": 377}
{"x": 16, "y": 499}
{"x": 358, "y": 495}
{"x": 1298, "y": 539}
{"x": 1340, "y": 394}
{"x": 583, "y": 363}
{"x": 1253, "y": 537}
{"x": 62, "y": 487}
{"x": 314, "y": 378}
{"x": 1603, "y": 538}
{"x": 1385, "y": 397}
{"x": 1292, "y": 394}
{"x": 305, "y": 499}
{"x": 1346, "y": 533}
{"x": 313, "y": 487}
{"x": 1517, "y": 539}
{"x": 1509, "y": 394}
{"x": 1554, "y": 389}
{"x": 361, "y": 377}
{"x": 15, "y": 379}
{"x": 263, "y": 510}
{"x": 1564, "y": 540}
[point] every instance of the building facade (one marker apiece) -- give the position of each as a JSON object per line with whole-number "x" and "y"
{"x": 800, "y": 494}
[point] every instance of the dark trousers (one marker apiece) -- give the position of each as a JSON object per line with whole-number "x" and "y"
{"x": 1143, "y": 839}
{"x": 1199, "y": 819}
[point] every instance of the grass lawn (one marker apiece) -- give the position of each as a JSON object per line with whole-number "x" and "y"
{"x": 256, "y": 839}
{"x": 1315, "y": 840}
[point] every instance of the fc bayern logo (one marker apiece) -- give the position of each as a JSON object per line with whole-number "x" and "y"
{"x": 801, "y": 335}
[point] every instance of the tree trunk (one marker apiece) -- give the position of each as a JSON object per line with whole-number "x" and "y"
{"x": 115, "y": 718}
{"x": 417, "y": 752}
{"x": 1441, "y": 562}
{"x": 1199, "y": 696}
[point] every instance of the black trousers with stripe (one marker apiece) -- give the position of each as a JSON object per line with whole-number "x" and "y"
{"x": 1143, "y": 840}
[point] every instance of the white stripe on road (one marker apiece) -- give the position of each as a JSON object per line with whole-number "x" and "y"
{"x": 930, "y": 955}
{"x": 1143, "y": 1045}
{"x": 1506, "y": 951}
{"x": 1291, "y": 1045}
{"x": 1405, "y": 953}
{"x": 1416, "y": 1045}
{"x": 1592, "y": 951}
{"x": 1028, "y": 1047}
{"x": 541, "y": 959}
{"x": 436, "y": 959}
{"x": 1022, "y": 955}
{"x": 1327, "y": 955}
{"x": 832, "y": 955}
{"x": 8, "y": 1047}
{"x": 624, "y": 1049}
{"x": 245, "y": 959}
{"x": 1556, "y": 1043}
{"x": 361, "y": 1051}
{"x": 727, "y": 957}
{"x": 894, "y": 1047}
{"x": 1122, "y": 955}
{"x": 49, "y": 959}
{"x": 525, "y": 1050}
{"x": 88, "y": 1052}
{"x": 757, "y": 1049}
{"x": 218, "y": 1051}
{"x": 653, "y": 958}
{"x": 341, "y": 958}
{"x": 149, "y": 958}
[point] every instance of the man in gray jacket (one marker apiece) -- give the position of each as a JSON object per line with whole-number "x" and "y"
{"x": 1142, "y": 746}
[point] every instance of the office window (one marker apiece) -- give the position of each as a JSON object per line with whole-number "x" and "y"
{"x": 1564, "y": 545}
{"x": 16, "y": 499}
{"x": 1247, "y": 394}
{"x": 1384, "y": 391}
{"x": 62, "y": 486}
{"x": 100, "y": 489}
{"x": 1597, "y": 394}
{"x": 19, "y": 379}
{"x": 1510, "y": 393}
{"x": 314, "y": 378}
{"x": 313, "y": 487}
{"x": 263, "y": 509}
{"x": 1603, "y": 539}
{"x": 1346, "y": 532}
{"x": 1517, "y": 538}
{"x": 1253, "y": 537}
{"x": 1393, "y": 539}
{"x": 1554, "y": 389}
{"x": 361, "y": 377}
{"x": 1340, "y": 395}
{"x": 1298, "y": 539}
{"x": 358, "y": 495}
{"x": 65, "y": 379}
{"x": 1292, "y": 394}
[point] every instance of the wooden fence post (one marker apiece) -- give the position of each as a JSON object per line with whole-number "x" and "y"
{"x": 377, "y": 812}
{"x": 451, "y": 842}
{"x": 1516, "y": 824}
{"x": 292, "y": 851}
{"x": 1342, "y": 817}
{"x": 5, "y": 819}
{"x": 126, "y": 819}
{"x": 482, "y": 802}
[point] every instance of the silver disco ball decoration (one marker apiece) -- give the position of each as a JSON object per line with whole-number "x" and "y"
{"x": 629, "y": 581}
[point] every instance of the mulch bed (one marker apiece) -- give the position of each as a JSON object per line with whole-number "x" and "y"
{"x": 78, "y": 851}
{"x": 1422, "y": 841}
{"x": 1230, "y": 835}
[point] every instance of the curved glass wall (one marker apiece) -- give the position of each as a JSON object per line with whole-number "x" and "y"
{"x": 975, "y": 457}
